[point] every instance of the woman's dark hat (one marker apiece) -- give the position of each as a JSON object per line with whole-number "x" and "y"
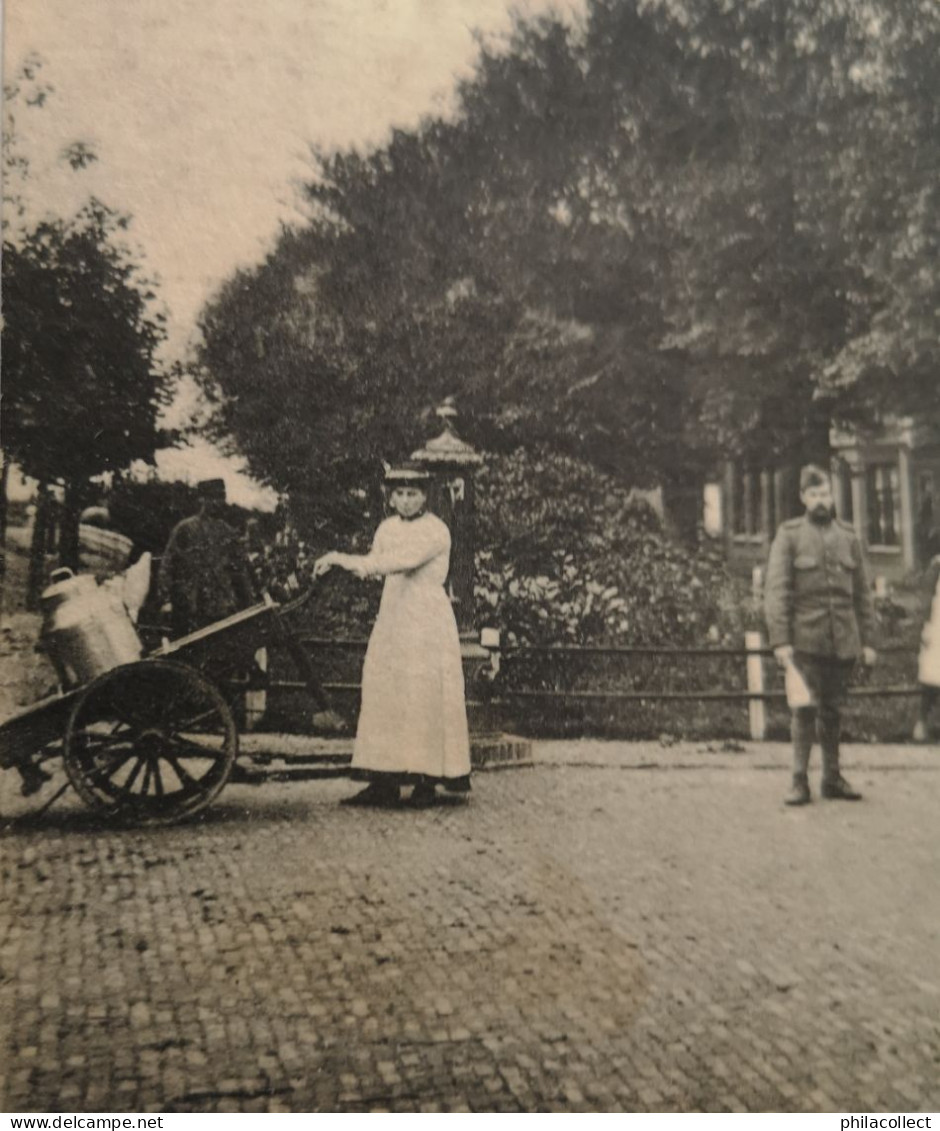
{"x": 408, "y": 471}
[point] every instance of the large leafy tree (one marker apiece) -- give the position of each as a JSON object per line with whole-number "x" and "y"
{"x": 82, "y": 381}
{"x": 687, "y": 228}
{"x": 82, "y": 386}
{"x": 795, "y": 257}
{"x": 448, "y": 262}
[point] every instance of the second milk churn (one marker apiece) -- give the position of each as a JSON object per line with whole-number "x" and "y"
{"x": 86, "y": 630}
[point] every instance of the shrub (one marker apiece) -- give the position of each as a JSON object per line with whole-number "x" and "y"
{"x": 569, "y": 556}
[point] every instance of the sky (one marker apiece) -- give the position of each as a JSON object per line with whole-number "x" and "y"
{"x": 202, "y": 113}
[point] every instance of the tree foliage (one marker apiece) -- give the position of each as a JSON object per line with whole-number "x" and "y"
{"x": 82, "y": 388}
{"x": 82, "y": 382}
{"x": 684, "y": 229}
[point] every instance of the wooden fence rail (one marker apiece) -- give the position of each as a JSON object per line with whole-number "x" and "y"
{"x": 755, "y": 692}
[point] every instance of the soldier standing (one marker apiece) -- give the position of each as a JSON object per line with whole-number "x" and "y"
{"x": 820, "y": 618}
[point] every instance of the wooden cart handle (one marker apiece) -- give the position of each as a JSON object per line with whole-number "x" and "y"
{"x": 296, "y": 603}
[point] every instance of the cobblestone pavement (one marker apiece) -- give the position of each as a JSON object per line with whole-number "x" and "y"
{"x": 587, "y": 934}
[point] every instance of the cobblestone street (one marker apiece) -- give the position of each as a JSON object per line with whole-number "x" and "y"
{"x": 620, "y": 927}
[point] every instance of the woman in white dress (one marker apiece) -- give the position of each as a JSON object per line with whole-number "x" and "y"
{"x": 413, "y": 720}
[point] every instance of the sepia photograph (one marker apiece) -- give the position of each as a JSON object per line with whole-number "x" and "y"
{"x": 470, "y": 559}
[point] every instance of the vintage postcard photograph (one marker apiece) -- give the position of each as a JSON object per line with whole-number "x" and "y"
{"x": 469, "y": 556}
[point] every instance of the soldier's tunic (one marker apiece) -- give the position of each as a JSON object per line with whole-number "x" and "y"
{"x": 203, "y": 573}
{"x": 817, "y": 596}
{"x": 413, "y": 718}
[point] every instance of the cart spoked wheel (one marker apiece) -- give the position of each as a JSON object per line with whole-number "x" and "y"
{"x": 150, "y": 743}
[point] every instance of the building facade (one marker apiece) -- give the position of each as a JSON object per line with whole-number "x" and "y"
{"x": 886, "y": 483}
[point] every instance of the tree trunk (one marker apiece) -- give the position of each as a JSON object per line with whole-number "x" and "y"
{"x": 68, "y": 531}
{"x": 36, "y": 577}
{"x": 816, "y": 446}
{"x": 4, "y": 485}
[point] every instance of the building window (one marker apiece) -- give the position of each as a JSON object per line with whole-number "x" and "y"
{"x": 884, "y": 504}
{"x": 746, "y": 503}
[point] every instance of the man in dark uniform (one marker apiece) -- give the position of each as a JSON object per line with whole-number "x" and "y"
{"x": 205, "y": 577}
{"x": 203, "y": 573}
{"x": 820, "y": 617}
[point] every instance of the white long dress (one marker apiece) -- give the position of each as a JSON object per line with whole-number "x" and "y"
{"x": 413, "y": 718}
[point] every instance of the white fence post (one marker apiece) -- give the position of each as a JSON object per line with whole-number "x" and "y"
{"x": 756, "y": 708}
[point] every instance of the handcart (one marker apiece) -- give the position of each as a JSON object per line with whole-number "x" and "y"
{"x": 155, "y": 741}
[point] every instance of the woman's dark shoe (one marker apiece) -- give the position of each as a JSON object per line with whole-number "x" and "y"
{"x": 422, "y": 797}
{"x": 378, "y": 796}
{"x": 457, "y": 785}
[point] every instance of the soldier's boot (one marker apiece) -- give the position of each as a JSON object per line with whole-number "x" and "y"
{"x": 799, "y": 791}
{"x": 834, "y": 785}
{"x": 802, "y": 727}
{"x": 838, "y": 789}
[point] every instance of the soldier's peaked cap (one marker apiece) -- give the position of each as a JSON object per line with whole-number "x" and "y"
{"x": 812, "y": 475}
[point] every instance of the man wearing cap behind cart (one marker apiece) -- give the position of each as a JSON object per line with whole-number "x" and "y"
{"x": 203, "y": 573}
{"x": 820, "y": 619}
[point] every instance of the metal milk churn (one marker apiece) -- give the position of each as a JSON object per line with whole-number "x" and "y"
{"x": 85, "y": 630}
